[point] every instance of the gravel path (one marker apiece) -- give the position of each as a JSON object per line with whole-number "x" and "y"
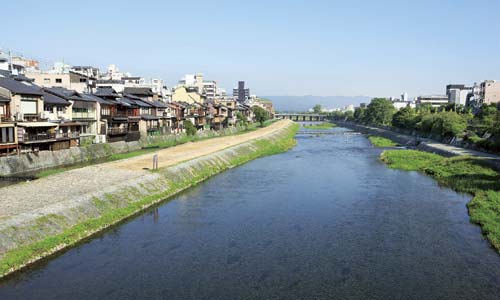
{"x": 56, "y": 192}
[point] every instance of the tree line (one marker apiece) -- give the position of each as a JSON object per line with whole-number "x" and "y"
{"x": 480, "y": 128}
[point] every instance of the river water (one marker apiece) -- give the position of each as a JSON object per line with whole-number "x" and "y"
{"x": 325, "y": 220}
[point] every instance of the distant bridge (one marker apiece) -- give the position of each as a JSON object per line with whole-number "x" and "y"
{"x": 302, "y": 117}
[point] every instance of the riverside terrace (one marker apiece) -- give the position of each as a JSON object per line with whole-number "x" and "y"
{"x": 302, "y": 117}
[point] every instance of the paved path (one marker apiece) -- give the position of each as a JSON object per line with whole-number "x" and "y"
{"x": 429, "y": 144}
{"x": 33, "y": 198}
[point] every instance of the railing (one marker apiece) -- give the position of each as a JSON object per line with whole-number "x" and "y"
{"x": 66, "y": 135}
{"x": 5, "y": 118}
{"x": 117, "y": 131}
{"x": 83, "y": 115}
{"x": 30, "y": 137}
{"x": 153, "y": 128}
{"x": 125, "y": 114}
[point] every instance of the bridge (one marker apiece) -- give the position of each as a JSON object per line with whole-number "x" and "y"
{"x": 302, "y": 117}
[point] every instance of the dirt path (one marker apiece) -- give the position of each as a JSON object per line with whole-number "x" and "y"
{"x": 177, "y": 154}
{"x": 56, "y": 192}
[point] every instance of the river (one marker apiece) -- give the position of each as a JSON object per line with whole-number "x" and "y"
{"x": 325, "y": 220}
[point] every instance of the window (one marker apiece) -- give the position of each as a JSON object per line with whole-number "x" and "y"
{"x": 61, "y": 108}
{"x": 29, "y": 106}
{"x": 80, "y": 110}
{"x": 105, "y": 111}
{"x": 6, "y": 135}
{"x": 83, "y": 79}
{"x": 47, "y": 108}
{"x": 46, "y": 80}
{"x": 58, "y": 80}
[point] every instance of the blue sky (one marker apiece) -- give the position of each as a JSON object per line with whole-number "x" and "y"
{"x": 373, "y": 48}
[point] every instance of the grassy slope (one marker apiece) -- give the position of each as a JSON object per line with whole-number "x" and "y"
{"x": 152, "y": 148}
{"x": 463, "y": 174}
{"x": 321, "y": 126}
{"x": 381, "y": 142}
{"x": 23, "y": 256}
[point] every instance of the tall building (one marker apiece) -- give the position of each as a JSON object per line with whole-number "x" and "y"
{"x": 210, "y": 88}
{"x": 458, "y": 93}
{"x": 241, "y": 93}
{"x": 490, "y": 91}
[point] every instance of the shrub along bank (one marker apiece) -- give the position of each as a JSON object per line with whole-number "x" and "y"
{"x": 462, "y": 174}
{"x": 111, "y": 208}
{"x": 381, "y": 142}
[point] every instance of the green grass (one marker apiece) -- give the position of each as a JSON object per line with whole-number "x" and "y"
{"x": 462, "y": 174}
{"x": 152, "y": 147}
{"x": 321, "y": 126}
{"x": 111, "y": 214}
{"x": 382, "y": 142}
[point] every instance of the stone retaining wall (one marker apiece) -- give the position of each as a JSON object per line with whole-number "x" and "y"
{"x": 31, "y": 236}
{"x": 30, "y": 162}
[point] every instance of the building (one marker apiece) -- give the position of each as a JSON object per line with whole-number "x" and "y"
{"x": 490, "y": 91}
{"x": 188, "y": 95}
{"x": 88, "y": 71}
{"x": 210, "y": 89}
{"x": 241, "y": 93}
{"x": 434, "y": 100}
{"x": 404, "y": 97}
{"x": 458, "y": 93}
{"x": 70, "y": 80}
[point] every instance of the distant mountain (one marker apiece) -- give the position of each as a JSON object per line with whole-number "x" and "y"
{"x": 303, "y": 103}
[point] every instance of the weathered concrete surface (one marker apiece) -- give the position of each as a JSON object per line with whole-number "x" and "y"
{"x": 31, "y": 211}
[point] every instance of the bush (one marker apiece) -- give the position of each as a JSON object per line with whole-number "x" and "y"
{"x": 190, "y": 129}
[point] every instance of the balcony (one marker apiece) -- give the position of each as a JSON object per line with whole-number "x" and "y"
{"x": 38, "y": 137}
{"x": 117, "y": 131}
{"x": 67, "y": 135}
{"x": 5, "y": 118}
{"x": 83, "y": 115}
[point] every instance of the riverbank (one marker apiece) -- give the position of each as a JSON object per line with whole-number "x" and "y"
{"x": 326, "y": 125}
{"x": 464, "y": 175}
{"x": 43, "y": 217}
{"x": 44, "y": 163}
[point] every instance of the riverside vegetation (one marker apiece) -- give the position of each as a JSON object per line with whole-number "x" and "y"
{"x": 382, "y": 142}
{"x": 462, "y": 174}
{"x": 480, "y": 130}
{"x": 112, "y": 208}
{"x": 320, "y": 126}
{"x": 153, "y": 147}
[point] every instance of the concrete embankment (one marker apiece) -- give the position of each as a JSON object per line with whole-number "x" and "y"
{"x": 425, "y": 144}
{"x": 30, "y": 162}
{"x": 42, "y": 217}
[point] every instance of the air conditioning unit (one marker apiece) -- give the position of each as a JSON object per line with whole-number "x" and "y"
{"x": 19, "y": 116}
{"x": 60, "y": 114}
{"x": 43, "y": 115}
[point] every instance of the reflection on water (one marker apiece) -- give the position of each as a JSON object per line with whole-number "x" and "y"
{"x": 325, "y": 220}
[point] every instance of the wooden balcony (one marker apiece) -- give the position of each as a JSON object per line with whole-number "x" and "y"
{"x": 117, "y": 131}
{"x": 5, "y": 118}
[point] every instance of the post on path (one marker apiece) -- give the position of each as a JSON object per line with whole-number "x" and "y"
{"x": 155, "y": 161}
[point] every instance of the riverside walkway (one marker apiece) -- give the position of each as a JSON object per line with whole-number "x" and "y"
{"x": 52, "y": 194}
{"x": 425, "y": 144}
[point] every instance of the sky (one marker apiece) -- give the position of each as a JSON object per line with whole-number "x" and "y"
{"x": 326, "y": 48}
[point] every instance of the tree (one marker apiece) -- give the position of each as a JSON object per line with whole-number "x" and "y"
{"x": 190, "y": 129}
{"x": 242, "y": 121}
{"x": 379, "y": 112}
{"x": 261, "y": 115}
{"x": 359, "y": 114}
{"x": 317, "y": 109}
{"x": 404, "y": 118}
